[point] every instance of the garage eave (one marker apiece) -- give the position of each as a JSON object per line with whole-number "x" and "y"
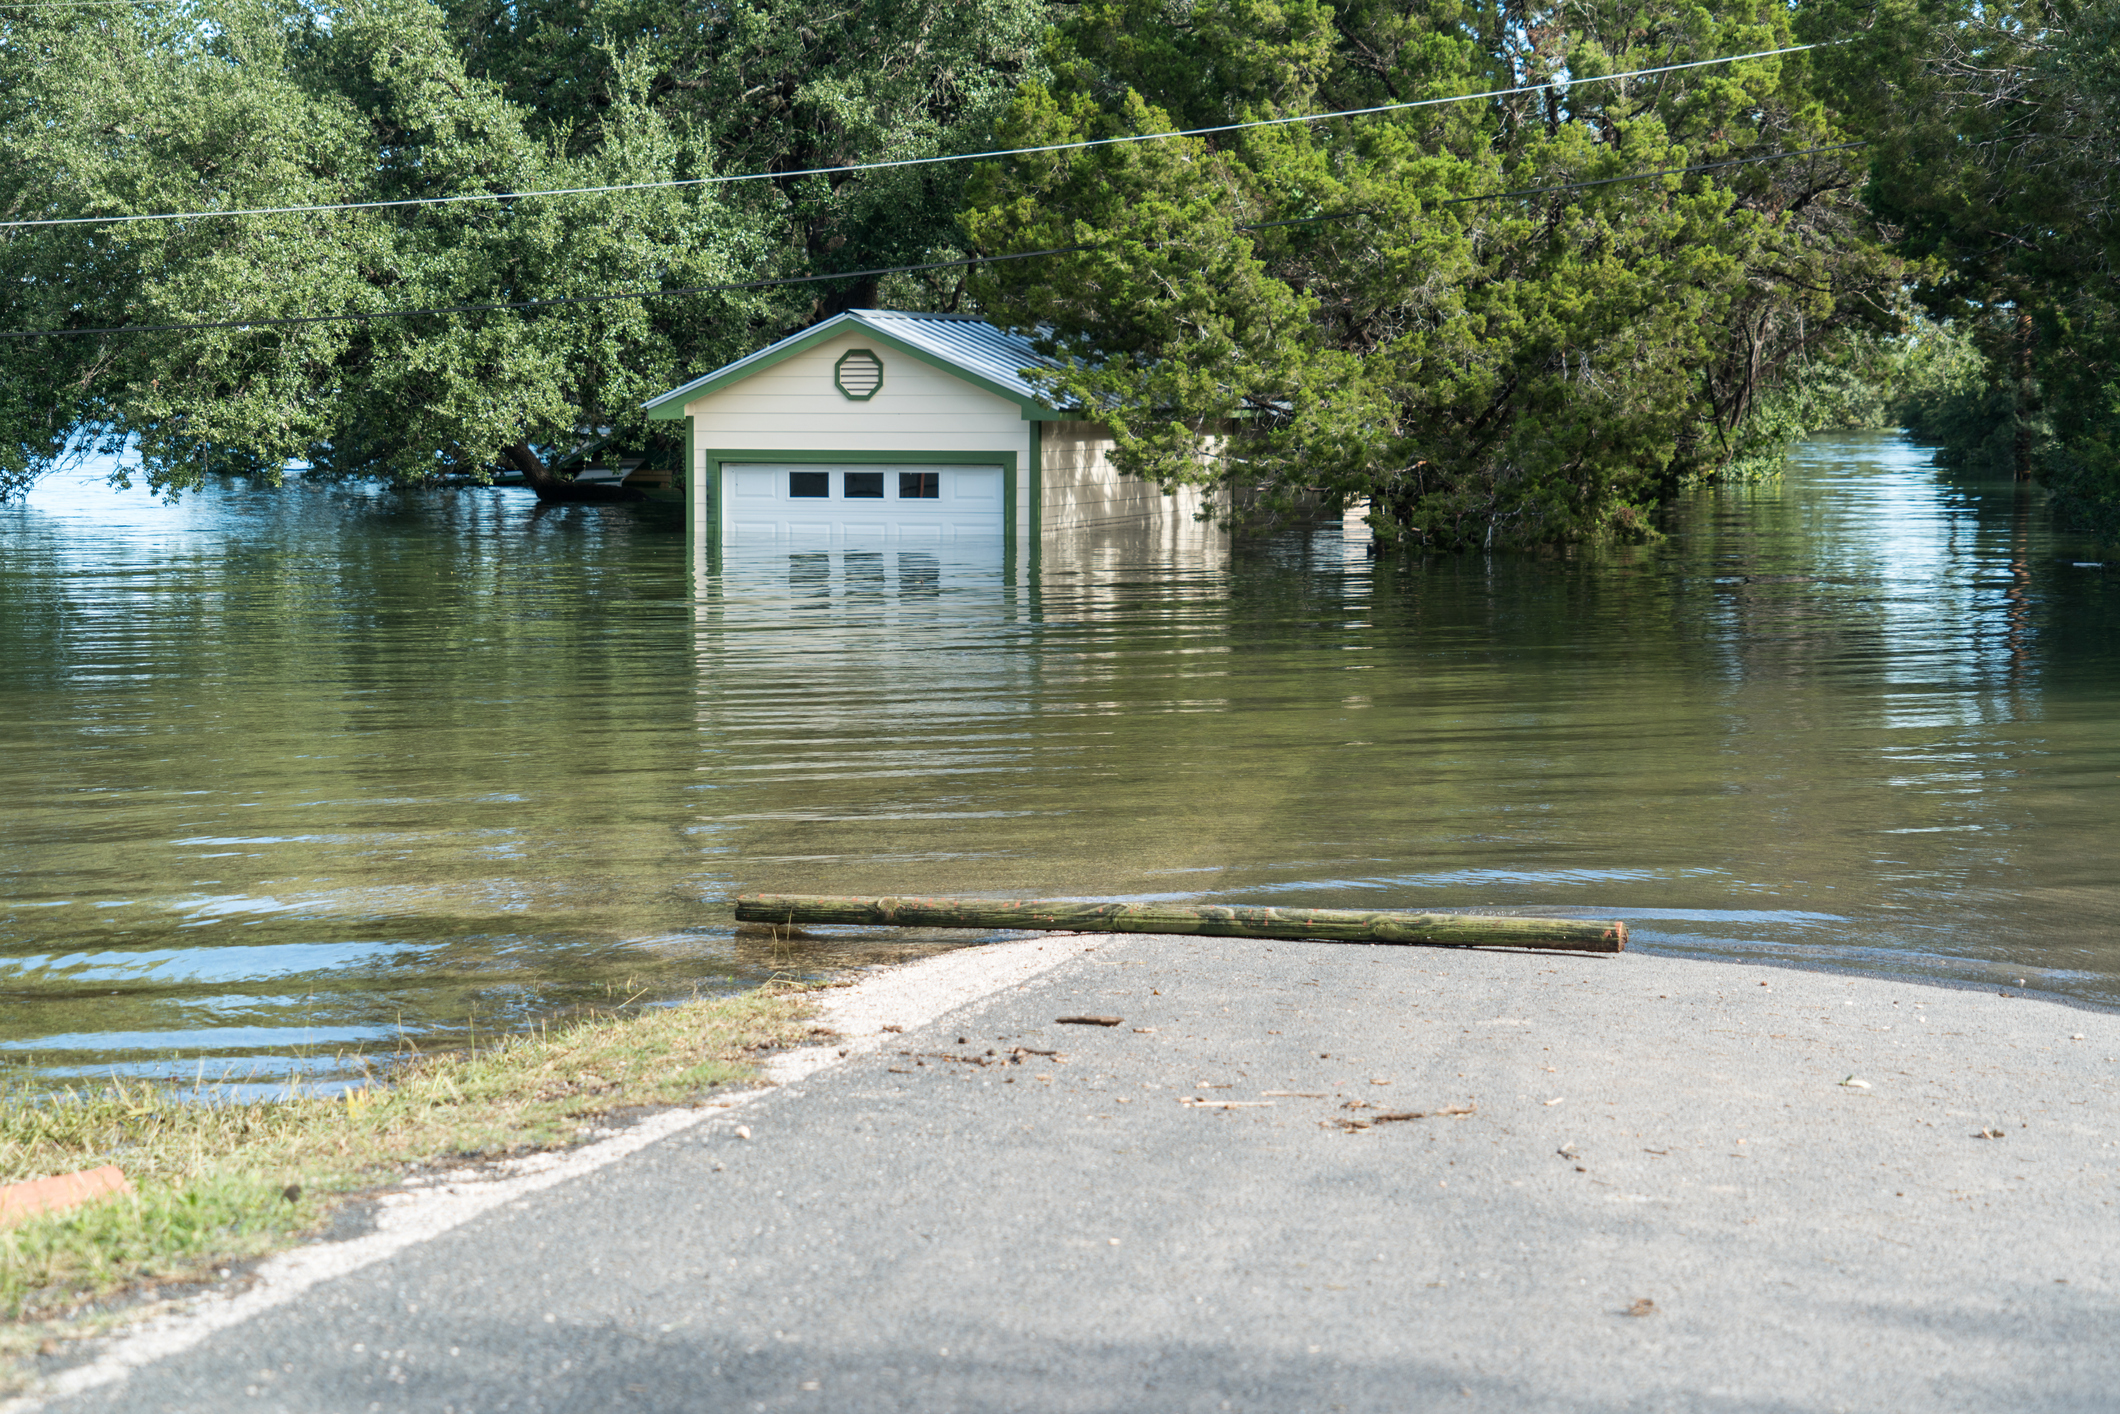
{"x": 926, "y": 338}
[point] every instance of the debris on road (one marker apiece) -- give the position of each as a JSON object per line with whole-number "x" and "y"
{"x": 1393, "y": 1116}
{"x": 1446, "y": 1112}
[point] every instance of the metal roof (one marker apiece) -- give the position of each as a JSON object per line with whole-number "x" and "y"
{"x": 983, "y": 348}
{"x": 987, "y": 354}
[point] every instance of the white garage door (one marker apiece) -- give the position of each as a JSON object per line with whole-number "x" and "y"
{"x": 809, "y": 504}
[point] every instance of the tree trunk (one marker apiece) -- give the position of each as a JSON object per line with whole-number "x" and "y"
{"x": 2022, "y": 448}
{"x": 863, "y": 294}
{"x": 1341, "y": 925}
{"x": 555, "y": 488}
{"x": 534, "y": 470}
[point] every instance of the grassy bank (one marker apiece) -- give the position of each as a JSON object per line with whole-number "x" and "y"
{"x": 219, "y": 1182}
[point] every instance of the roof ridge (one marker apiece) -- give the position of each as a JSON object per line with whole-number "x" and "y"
{"x": 925, "y": 314}
{"x": 978, "y": 350}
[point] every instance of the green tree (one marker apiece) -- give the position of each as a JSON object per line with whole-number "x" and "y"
{"x": 778, "y": 86}
{"x": 228, "y": 104}
{"x": 1869, "y": 378}
{"x": 1533, "y": 369}
{"x": 1997, "y": 164}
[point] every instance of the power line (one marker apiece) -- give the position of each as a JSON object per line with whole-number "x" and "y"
{"x": 779, "y": 281}
{"x": 902, "y": 161}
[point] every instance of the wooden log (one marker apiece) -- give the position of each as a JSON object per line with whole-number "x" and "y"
{"x": 1335, "y": 925}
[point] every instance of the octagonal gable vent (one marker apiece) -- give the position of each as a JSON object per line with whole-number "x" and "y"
{"x": 859, "y": 374}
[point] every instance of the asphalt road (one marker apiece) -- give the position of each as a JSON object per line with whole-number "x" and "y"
{"x": 1088, "y": 1231}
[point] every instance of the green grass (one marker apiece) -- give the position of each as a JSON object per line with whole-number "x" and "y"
{"x": 217, "y": 1182}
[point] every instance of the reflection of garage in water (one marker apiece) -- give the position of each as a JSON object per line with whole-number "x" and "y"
{"x": 869, "y": 603}
{"x": 883, "y": 428}
{"x": 862, "y": 576}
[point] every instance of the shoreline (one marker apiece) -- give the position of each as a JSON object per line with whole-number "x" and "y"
{"x": 223, "y": 1184}
{"x": 411, "y": 1207}
{"x": 870, "y": 1014}
{"x": 2006, "y": 982}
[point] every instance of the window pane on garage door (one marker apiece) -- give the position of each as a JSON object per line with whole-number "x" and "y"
{"x": 898, "y": 504}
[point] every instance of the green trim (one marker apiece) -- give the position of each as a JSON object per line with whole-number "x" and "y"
{"x": 1008, "y": 499}
{"x": 670, "y": 406}
{"x": 997, "y": 457}
{"x": 1037, "y": 479}
{"x": 684, "y": 475}
{"x": 839, "y": 377}
{"x": 1010, "y": 463}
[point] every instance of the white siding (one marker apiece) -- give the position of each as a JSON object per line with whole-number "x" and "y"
{"x": 793, "y": 406}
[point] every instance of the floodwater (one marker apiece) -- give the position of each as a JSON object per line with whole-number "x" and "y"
{"x": 290, "y": 776}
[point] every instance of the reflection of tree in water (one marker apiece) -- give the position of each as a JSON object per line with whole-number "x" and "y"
{"x": 2020, "y": 590}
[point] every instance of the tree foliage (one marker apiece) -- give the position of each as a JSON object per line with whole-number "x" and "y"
{"x": 1863, "y": 378}
{"x": 1511, "y": 370}
{"x": 786, "y": 87}
{"x": 1996, "y": 159}
{"x": 1425, "y": 307}
{"x": 228, "y": 104}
